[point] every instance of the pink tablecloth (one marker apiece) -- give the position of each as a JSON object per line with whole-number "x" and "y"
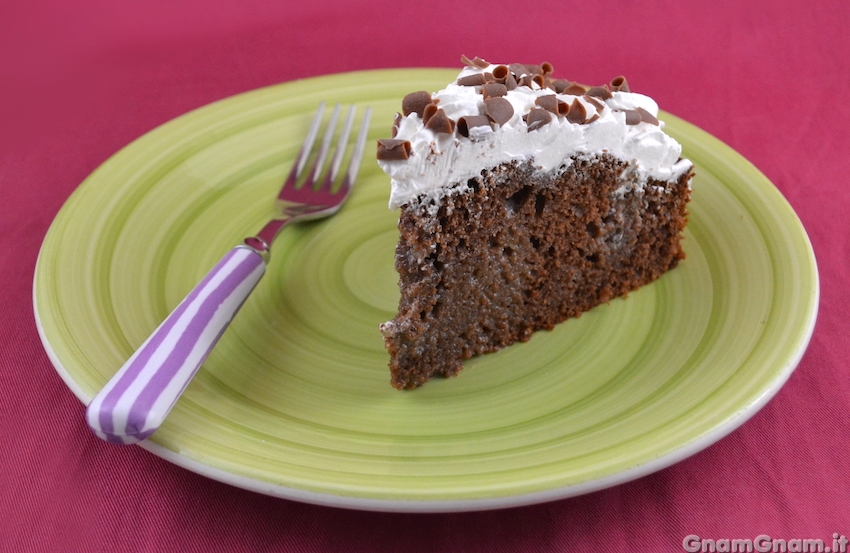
{"x": 80, "y": 80}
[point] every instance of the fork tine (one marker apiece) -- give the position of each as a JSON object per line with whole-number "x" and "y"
{"x": 333, "y": 170}
{"x": 306, "y": 147}
{"x": 357, "y": 154}
{"x": 323, "y": 150}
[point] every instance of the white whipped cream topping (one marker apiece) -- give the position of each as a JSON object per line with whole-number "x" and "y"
{"x": 439, "y": 161}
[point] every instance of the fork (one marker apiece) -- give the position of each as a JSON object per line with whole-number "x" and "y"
{"x": 135, "y": 402}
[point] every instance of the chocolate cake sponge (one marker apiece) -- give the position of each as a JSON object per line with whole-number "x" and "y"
{"x": 520, "y": 250}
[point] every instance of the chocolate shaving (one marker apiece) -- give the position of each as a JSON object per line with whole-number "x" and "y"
{"x": 518, "y": 70}
{"x": 498, "y": 110}
{"x": 619, "y": 84}
{"x": 594, "y": 102}
{"x": 563, "y": 108}
{"x": 439, "y": 122}
{"x": 600, "y": 92}
{"x": 548, "y": 102}
{"x": 546, "y": 68}
{"x": 429, "y": 112}
{"x": 577, "y": 113}
{"x": 559, "y": 85}
{"x": 472, "y": 80}
{"x": 575, "y": 90}
{"x": 533, "y": 69}
{"x": 536, "y": 118}
{"x": 632, "y": 116}
{"x": 591, "y": 120}
{"x": 647, "y": 117}
{"x": 551, "y": 103}
{"x": 540, "y": 80}
{"x": 390, "y": 149}
{"x": 477, "y": 62}
{"x": 464, "y": 124}
{"x": 510, "y": 82}
{"x": 500, "y": 73}
{"x": 493, "y": 90}
{"x": 415, "y": 102}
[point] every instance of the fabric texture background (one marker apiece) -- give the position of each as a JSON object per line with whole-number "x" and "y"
{"x": 80, "y": 80}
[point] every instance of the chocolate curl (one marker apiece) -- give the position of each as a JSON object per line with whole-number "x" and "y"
{"x": 551, "y": 103}
{"x": 619, "y": 84}
{"x": 440, "y": 123}
{"x": 632, "y": 116}
{"x": 575, "y": 90}
{"x": 594, "y": 102}
{"x": 647, "y": 117}
{"x": 540, "y": 80}
{"x": 591, "y": 120}
{"x": 472, "y": 80}
{"x": 429, "y": 111}
{"x": 533, "y": 69}
{"x": 600, "y": 92}
{"x": 536, "y": 118}
{"x": 546, "y": 68}
{"x": 498, "y": 110}
{"x": 415, "y": 102}
{"x": 510, "y": 82}
{"x": 500, "y": 73}
{"x": 559, "y": 85}
{"x": 563, "y": 108}
{"x": 577, "y": 113}
{"x": 548, "y": 102}
{"x": 493, "y": 90}
{"x": 464, "y": 124}
{"x": 390, "y": 149}
{"x": 518, "y": 70}
{"x": 477, "y": 62}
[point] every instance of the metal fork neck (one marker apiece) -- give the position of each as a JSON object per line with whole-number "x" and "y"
{"x": 261, "y": 243}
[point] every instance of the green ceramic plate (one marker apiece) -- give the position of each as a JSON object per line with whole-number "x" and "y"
{"x": 295, "y": 401}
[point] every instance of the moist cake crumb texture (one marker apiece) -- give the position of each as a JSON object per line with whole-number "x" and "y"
{"x": 486, "y": 260}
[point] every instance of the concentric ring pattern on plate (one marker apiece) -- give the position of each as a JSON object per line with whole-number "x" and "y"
{"x": 296, "y": 402}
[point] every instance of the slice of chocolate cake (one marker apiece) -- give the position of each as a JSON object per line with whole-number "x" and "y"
{"x": 524, "y": 200}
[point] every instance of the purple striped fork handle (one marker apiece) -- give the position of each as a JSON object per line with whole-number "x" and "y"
{"x": 135, "y": 402}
